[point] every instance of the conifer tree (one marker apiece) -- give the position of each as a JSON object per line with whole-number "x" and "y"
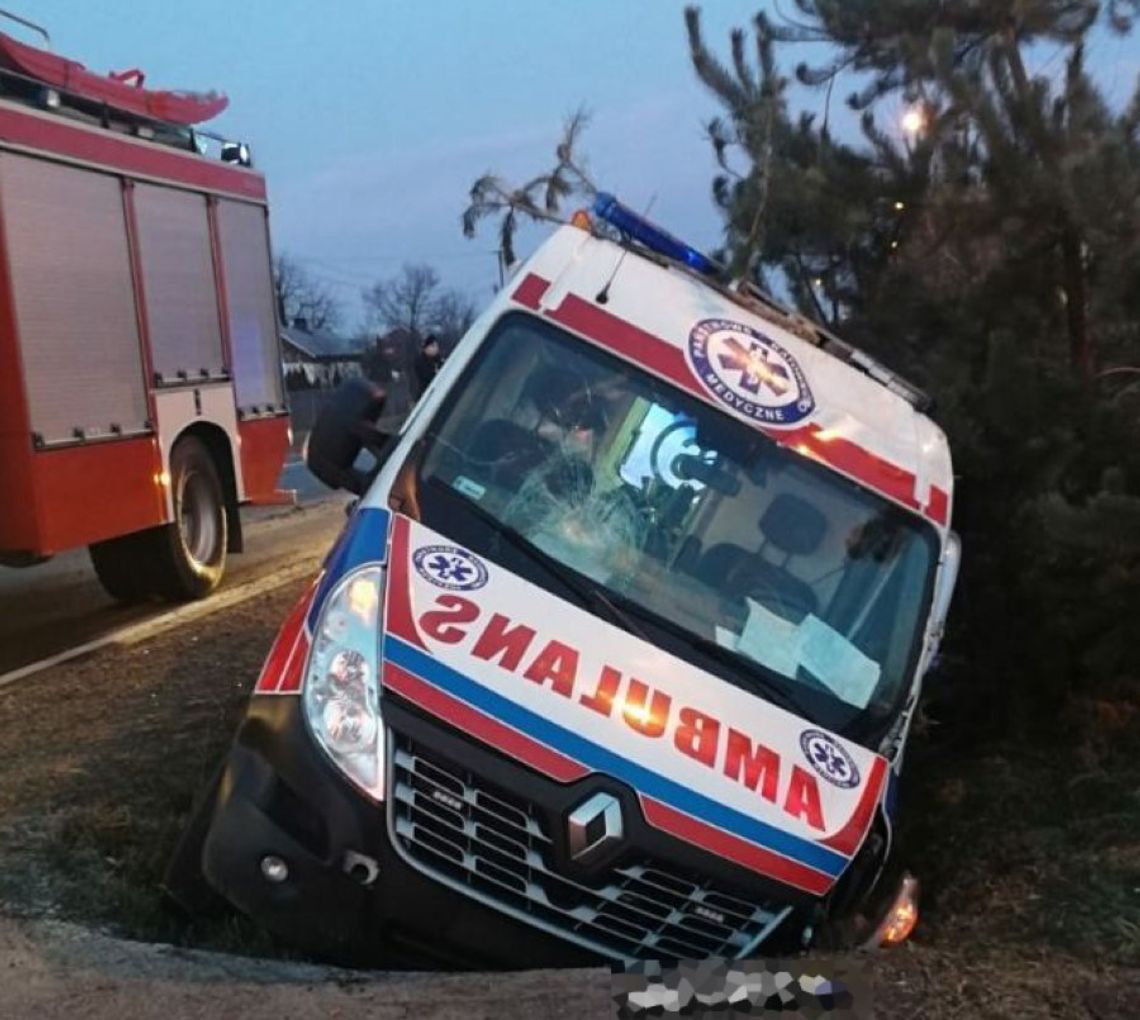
{"x": 992, "y": 256}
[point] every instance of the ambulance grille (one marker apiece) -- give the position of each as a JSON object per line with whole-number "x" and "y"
{"x": 494, "y": 847}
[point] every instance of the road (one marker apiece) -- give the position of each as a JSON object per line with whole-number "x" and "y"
{"x": 60, "y": 604}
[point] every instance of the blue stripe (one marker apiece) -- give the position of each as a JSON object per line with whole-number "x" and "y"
{"x": 363, "y": 540}
{"x": 891, "y": 801}
{"x": 602, "y": 760}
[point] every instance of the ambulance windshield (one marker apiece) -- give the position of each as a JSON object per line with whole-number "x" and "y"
{"x": 700, "y": 533}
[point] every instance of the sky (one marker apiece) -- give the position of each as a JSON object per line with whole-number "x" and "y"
{"x": 371, "y": 118}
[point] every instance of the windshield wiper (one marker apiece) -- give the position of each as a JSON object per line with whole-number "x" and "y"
{"x": 740, "y": 666}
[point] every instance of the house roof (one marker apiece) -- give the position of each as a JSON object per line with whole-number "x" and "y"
{"x": 320, "y": 346}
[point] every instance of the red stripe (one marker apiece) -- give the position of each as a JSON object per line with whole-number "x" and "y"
{"x": 662, "y": 357}
{"x": 626, "y": 339}
{"x": 530, "y": 291}
{"x": 843, "y": 455}
{"x": 51, "y": 134}
{"x": 399, "y": 602}
{"x": 748, "y": 855}
{"x": 293, "y": 679}
{"x": 848, "y": 839}
{"x": 938, "y": 509}
{"x": 490, "y": 731}
{"x": 278, "y": 659}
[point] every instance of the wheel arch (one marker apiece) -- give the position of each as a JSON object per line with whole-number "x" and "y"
{"x": 220, "y": 447}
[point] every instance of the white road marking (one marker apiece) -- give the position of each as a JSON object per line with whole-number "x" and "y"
{"x": 133, "y": 633}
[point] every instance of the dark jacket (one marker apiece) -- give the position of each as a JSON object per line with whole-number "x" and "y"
{"x": 425, "y": 370}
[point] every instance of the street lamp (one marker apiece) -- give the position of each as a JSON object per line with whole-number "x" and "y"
{"x": 914, "y": 121}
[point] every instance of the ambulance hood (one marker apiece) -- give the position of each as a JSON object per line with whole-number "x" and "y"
{"x": 567, "y": 694}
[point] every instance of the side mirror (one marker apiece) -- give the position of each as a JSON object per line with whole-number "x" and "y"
{"x": 345, "y": 426}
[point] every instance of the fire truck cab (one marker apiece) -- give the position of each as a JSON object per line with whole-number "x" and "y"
{"x": 617, "y": 655}
{"x": 141, "y": 398}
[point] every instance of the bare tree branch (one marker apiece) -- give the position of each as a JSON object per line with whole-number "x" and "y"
{"x": 300, "y": 297}
{"x": 406, "y": 299}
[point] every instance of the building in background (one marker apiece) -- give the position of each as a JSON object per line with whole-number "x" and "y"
{"x": 317, "y": 360}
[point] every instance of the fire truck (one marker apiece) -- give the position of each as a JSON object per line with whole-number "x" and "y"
{"x": 141, "y": 397}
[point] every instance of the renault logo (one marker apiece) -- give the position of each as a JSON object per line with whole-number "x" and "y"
{"x": 594, "y": 826}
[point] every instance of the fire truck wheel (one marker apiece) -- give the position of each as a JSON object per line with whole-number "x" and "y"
{"x": 123, "y": 567}
{"x": 190, "y": 553}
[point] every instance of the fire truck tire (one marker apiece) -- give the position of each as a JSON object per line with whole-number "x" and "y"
{"x": 189, "y": 555}
{"x": 123, "y": 567}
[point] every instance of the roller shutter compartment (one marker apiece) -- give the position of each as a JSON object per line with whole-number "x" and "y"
{"x": 244, "y": 239}
{"x": 178, "y": 279}
{"x": 66, "y": 239}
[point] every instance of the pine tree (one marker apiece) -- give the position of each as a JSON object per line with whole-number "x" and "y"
{"x": 992, "y": 256}
{"x": 540, "y": 198}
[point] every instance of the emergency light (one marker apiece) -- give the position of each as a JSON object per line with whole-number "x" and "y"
{"x": 638, "y": 228}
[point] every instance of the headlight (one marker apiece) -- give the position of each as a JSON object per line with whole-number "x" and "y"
{"x": 342, "y": 696}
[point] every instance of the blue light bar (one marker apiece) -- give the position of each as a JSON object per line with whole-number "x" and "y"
{"x": 632, "y": 224}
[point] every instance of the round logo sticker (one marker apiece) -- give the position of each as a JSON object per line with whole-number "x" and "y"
{"x": 829, "y": 758}
{"x": 448, "y": 566}
{"x": 749, "y": 372}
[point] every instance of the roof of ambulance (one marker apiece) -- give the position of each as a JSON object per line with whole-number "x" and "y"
{"x": 677, "y": 326}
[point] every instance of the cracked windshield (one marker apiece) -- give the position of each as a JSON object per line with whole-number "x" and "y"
{"x": 688, "y": 520}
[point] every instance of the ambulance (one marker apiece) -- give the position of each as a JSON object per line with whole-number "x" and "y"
{"x": 617, "y": 655}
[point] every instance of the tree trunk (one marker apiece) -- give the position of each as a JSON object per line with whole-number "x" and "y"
{"x": 1076, "y": 302}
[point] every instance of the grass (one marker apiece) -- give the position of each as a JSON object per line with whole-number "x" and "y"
{"x": 1021, "y": 849}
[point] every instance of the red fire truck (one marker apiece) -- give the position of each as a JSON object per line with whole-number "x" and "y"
{"x": 141, "y": 398}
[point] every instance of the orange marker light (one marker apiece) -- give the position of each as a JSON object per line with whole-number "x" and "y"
{"x": 581, "y": 220}
{"x": 896, "y": 927}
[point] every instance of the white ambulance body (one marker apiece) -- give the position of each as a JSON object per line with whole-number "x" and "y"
{"x": 618, "y": 652}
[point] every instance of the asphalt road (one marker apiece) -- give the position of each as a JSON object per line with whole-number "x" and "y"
{"x": 57, "y": 605}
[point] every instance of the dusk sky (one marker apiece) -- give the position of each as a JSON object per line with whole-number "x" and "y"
{"x": 371, "y": 118}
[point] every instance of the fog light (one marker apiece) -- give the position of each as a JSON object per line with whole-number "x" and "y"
{"x": 274, "y": 869}
{"x": 900, "y": 919}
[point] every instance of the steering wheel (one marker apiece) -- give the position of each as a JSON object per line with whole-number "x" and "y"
{"x": 763, "y": 590}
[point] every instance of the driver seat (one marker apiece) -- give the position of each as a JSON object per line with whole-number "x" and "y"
{"x": 789, "y": 525}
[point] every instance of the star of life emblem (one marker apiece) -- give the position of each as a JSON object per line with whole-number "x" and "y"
{"x": 750, "y": 372}
{"x": 448, "y": 566}
{"x": 829, "y": 758}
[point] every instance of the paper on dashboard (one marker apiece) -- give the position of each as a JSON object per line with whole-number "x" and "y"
{"x": 836, "y": 663}
{"x": 770, "y": 640}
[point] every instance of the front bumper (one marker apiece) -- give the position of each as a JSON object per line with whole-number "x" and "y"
{"x": 279, "y": 797}
{"x": 351, "y": 895}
